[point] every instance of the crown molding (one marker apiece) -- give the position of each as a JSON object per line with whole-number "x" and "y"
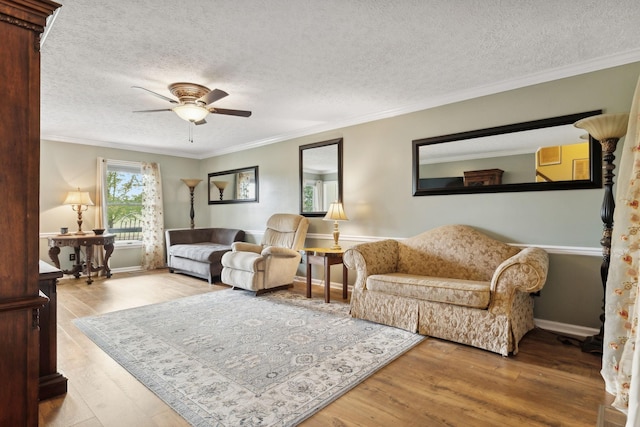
{"x": 558, "y": 73}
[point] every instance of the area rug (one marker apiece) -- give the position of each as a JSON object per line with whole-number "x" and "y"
{"x": 228, "y": 358}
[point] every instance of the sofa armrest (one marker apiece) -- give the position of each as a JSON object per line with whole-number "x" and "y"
{"x": 371, "y": 258}
{"x": 280, "y": 252}
{"x": 186, "y": 236}
{"x": 246, "y": 247}
{"x": 226, "y": 236}
{"x": 526, "y": 271}
{"x": 178, "y": 236}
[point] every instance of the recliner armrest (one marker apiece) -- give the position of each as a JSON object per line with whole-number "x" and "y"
{"x": 280, "y": 252}
{"x": 246, "y": 247}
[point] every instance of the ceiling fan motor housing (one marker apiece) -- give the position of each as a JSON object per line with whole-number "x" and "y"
{"x": 188, "y": 93}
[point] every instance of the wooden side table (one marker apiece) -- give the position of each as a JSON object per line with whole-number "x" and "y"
{"x": 326, "y": 257}
{"x": 88, "y": 241}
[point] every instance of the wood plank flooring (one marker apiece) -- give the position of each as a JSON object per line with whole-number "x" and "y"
{"x": 437, "y": 383}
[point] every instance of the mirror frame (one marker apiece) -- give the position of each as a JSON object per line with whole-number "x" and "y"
{"x": 595, "y": 155}
{"x": 302, "y": 149}
{"x": 253, "y": 169}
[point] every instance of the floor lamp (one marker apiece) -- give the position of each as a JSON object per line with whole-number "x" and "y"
{"x": 608, "y": 129}
{"x": 191, "y": 183}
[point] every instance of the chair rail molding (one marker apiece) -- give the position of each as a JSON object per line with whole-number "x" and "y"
{"x": 552, "y": 249}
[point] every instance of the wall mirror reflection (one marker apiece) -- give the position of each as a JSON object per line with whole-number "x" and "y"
{"x": 234, "y": 186}
{"x": 547, "y": 154}
{"x": 320, "y": 176}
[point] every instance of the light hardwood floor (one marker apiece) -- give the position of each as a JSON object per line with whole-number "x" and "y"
{"x": 437, "y": 383}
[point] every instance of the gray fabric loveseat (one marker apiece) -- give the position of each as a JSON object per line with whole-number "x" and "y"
{"x": 198, "y": 251}
{"x": 452, "y": 282}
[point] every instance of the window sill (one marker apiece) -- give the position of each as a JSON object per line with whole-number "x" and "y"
{"x": 129, "y": 244}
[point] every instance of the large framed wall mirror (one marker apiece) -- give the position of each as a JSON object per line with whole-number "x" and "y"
{"x": 320, "y": 176}
{"x": 547, "y": 154}
{"x": 234, "y": 186}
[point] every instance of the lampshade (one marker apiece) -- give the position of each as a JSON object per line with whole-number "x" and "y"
{"x": 191, "y": 112}
{"x": 605, "y": 126}
{"x": 78, "y": 198}
{"x": 191, "y": 182}
{"x": 220, "y": 185}
{"x": 336, "y": 213}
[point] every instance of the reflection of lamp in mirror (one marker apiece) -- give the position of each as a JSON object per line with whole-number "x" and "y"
{"x": 80, "y": 202}
{"x": 335, "y": 214}
{"x": 608, "y": 129}
{"x": 220, "y": 185}
{"x": 191, "y": 183}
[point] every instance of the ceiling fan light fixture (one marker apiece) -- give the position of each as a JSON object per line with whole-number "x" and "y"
{"x": 191, "y": 112}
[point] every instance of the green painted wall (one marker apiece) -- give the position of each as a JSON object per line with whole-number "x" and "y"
{"x": 378, "y": 192}
{"x": 65, "y": 166}
{"x": 377, "y": 186}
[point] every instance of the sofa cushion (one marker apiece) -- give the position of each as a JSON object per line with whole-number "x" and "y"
{"x": 467, "y": 293}
{"x": 203, "y": 252}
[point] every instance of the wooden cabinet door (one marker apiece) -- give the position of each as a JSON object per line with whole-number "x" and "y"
{"x": 21, "y": 23}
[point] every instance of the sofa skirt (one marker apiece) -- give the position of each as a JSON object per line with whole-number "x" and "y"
{"x": 475, "y": 327}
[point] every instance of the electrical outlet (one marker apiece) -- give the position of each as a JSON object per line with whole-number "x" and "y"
{"x": 72, "y": 257}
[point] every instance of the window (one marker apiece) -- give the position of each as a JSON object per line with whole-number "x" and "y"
{"x": 318, "y": 195}
{"x": 308, "y": 192}
{"x": 123, "y": 188}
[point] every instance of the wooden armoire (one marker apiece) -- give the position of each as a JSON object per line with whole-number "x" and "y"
{"x": 21, "y": 24}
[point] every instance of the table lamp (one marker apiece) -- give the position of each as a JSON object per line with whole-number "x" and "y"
{"x": 335, "y": 214}
{"x": 80, "y": 202}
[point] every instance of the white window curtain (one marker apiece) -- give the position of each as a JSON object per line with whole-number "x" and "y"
{"x": 317, "y": 196}
{"x": 620, "y": 360}
{"x": 100, "y": 199}
{"x": 99, "y": 204}
{"x": 152, "y": 218}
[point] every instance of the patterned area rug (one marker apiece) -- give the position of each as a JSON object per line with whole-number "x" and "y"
{"x": 228, "y": 358}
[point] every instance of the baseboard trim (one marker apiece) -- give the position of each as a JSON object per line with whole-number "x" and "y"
{"x": 131, "y": 269}
{"x": 319, "y": 282}
{"x": 566, "y": 328}
{"x": 549, "y": 325}
{"x": 560, "y": 328}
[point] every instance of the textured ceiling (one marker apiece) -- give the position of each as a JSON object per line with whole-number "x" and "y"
{"x": 306, "y": 66}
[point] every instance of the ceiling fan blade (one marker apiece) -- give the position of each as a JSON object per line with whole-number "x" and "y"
{"x": 213, "y": 96}
{"x": 152, "y": 111}
{"x": 200, "y": 122}
{"x": 241, "y": 113}
{"x": 166, "y": 98}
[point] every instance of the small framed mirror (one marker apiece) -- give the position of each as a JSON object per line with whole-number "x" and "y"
{"x": 546, "y": 154}
{"x": 234, "y": 186}
{"x": 320, "y": 176}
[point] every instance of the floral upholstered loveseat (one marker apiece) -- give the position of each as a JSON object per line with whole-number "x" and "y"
{"x": 452, "y": 282}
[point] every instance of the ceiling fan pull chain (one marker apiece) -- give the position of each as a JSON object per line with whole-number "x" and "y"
{"x": 190, "y": 132}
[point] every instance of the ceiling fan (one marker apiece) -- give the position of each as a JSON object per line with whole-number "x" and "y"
{"x": 193, "y": 102}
